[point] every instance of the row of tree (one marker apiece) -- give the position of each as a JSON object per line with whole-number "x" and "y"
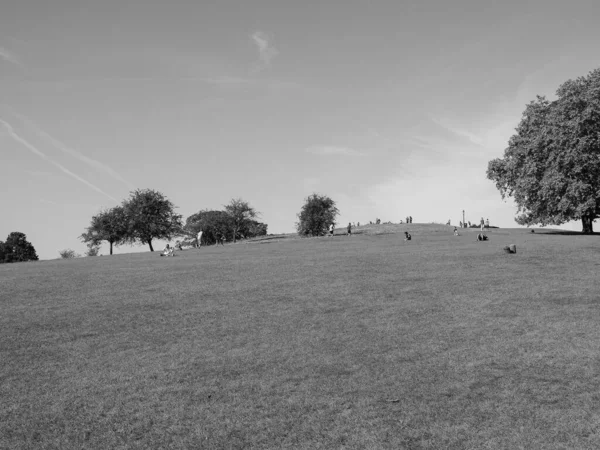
{"x": 17, "y": 248}
{"x": 147, "y": 215}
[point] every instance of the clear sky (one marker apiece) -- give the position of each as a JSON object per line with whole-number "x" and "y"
{"x": 392, "y": 108}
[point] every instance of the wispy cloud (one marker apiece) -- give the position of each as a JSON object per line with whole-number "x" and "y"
{"x": 266, "y": 51}
{"x": 332, "y": 150}
{"x": 9, "y": 57}
{"x": 13, "y": 134}
{"x": 99, "y": 166}
{"x": 458, "y": 131}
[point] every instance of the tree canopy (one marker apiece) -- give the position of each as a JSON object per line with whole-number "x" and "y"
{"x": 17, "y": 248}
{"x": 150, "y": 215}
{"x": 213, "y": 223}
{"x": 317, "y": 213}
{"x": 110, "y": 225}
{"x": 552, "y": 164}
{"x": 241, "y": 215}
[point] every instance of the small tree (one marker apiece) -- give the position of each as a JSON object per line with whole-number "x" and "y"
{"x": 92, "y": 249}
{"x": 318, "y": 212}
{"x": 68, "y": 254}
{"x": 110, "y": 225}
{"x": 17, "y": 249}
{"x": 552, "y": 165}
{"x": 150, "y": 215}
{"x": 241, "y": 214}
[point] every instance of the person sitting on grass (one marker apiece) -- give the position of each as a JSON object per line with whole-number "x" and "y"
{"x": 168, "y": 251}
{"x": 482, "y": 237}
{"x": 407, "y": 236}
{"x": 456, "y": 232}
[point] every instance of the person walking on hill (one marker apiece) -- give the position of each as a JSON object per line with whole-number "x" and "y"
{"x": 331, "y": 228}
{"x": 199, "y": 239}
{"x": 349, "y": 233}
{"x": 410, "y": 217}
{"x": 482, "y": 223}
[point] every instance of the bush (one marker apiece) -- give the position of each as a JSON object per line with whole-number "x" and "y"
{"x": 68, "y": 254}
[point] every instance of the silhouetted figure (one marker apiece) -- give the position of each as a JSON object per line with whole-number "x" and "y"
{"x": 349, "y": 233}
{"x": 410, "y": 217}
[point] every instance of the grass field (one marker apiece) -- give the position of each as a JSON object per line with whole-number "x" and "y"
{"x": 360, "y": 342}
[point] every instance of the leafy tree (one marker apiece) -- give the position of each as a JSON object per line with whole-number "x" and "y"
{"x": 211, "y": 223}
{"x": 256, "y": 229}
{"x": 318, "y": 212}
{"x": 110, "y": 225}
{"x": 150, "y": 215}
{"x": 17, "y": 248}
{"x": 68, "y": 254}
{"x": 241, "y": 214}
{"x": 552, "y": 165}
{"x": 92, "y": 249}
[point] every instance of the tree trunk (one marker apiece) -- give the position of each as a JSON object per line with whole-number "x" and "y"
{"x": 588, "y": 224}
{"x": 150, "y": 244}
{"x": 111, "y": 248}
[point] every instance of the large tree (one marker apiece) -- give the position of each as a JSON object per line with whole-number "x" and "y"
{"x": 110, "y": 225}
{"x": 150, "y": 215}
{"x": 241, "y": 214}
{"x": 552, "y": 165}
{"x": 17, "y": 248}
{"x": 317, "y": 213}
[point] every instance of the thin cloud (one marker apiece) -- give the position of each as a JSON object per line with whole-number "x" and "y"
{"x": 458, "y": 131}
{"x": 9, "y": 57}
{"x": 13, "y": 134}
{"x": 99, "y": 166}
{"x": 266, "y": 51}
{"x": 332, "y": 150}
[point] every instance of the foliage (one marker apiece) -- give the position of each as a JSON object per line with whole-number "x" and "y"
{"x": 211, "y": 223}
{"x": 317, "y": 213}
{"x": 92, "y": 250}
{"x": 109, "y": 225}
{"x": 17, "y": 248}
{"x": 241, "y": 215}
{"x": 68, "y": 254}
{"x": 150, "y": 215}
{"x": 552, "y": 165}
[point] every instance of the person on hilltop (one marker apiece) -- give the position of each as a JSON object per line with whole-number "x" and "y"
{"x": 456, "y": 232}
{"x": 349, "y": 233}
{"x": 407, "y": 236}
{"x": 199, "y": 239}
{"x": 331, "y": 228}
{"x": 410, "y": 217}
{"x": 482, "y": 224}
{"x": 487, "y": 223}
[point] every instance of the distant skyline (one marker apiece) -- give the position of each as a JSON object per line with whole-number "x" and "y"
{"x": 390, "y": 108}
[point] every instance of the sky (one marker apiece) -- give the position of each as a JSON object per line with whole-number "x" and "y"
{"x": 391, "y": 108}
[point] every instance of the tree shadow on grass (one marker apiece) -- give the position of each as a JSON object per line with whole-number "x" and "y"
{"x": 565, "y": 233}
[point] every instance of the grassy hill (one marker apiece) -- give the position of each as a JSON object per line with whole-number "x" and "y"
{"x": 346, "y": 342}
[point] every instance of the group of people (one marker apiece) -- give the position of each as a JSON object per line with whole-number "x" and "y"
{"x": 408, "y": 219}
